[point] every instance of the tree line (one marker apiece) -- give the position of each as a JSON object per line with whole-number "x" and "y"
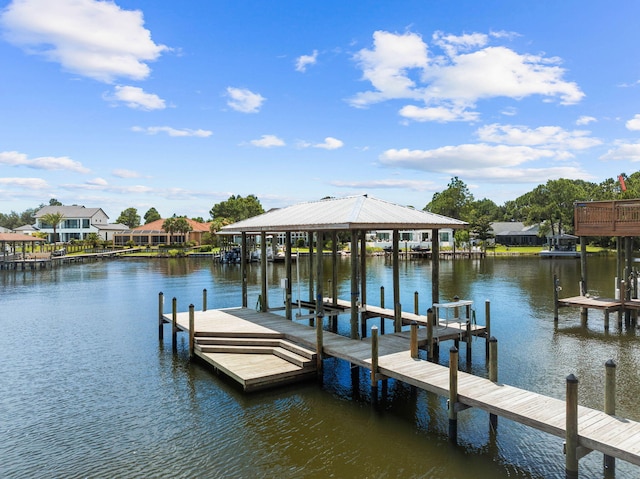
{"x": 550, "y": 205}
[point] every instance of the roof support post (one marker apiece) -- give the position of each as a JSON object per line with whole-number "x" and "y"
{"x": 435, "y": 265}
{"x": 264, "y": 305}
{"x": 311, "y": 288}
{"x": 334, "y": 272}
{"x": 354, "y": 284}
{"x": 243, "y": 268}
{"x": 363, "y": 280}
{"x": 396, "y": 271}
{"x": 287, "y": 267}
{"x": 319, "y": 278}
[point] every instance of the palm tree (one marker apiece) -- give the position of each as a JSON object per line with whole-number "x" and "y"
{"x": 181, "y": 225}
{"x": 54, "y": 220}
{"x": 169, "y": 226}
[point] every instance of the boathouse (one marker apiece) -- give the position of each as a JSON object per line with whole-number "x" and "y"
{"x": 354, "y": 215}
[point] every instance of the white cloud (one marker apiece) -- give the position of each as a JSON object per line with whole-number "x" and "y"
{"x": 136, "y": 98}
{"x": 268, "y": 141}
{"x": 496, "y": 163}
{"x": 122, "y": 173}
{"x": 96, "y": 39}
{"x": 97, "y": 182}
{"x": 544, "y": 136}
{"x": 414, "y": 185}
{"x": 401, "y": 66}
{"x": 438, "y": 113}
{"x": 330, "y": 143}
{"x": 623, "y": 151}
{"x": 585, "y": 120}
{"x": 154, "y": 130}
{"x": 13, "y": 158}
{"x": 634, "y": 123}
{"x": 28, "y": 183}
{"x": 243, "y": 100}
{"x": 305, "y": 60}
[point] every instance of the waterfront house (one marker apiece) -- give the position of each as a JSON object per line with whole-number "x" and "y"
{"x": 153, "y": 234}
{"x": 77, "y": 223}
{"x": 26, "y": 230}
{"x": 515, "y": 233}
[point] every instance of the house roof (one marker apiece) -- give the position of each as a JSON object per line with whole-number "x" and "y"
{"x": 156, "y": 227}
{"x": 351, "y": 213}
{"x": 112, "y": 227}
{"x": 18, "y": 237}
{"x": 69, "y": 211}
{"x": 26, "y": 228}
{"x": 514, "y": 228}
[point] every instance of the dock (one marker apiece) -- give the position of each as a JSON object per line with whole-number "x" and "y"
{"x": 33, "y": 261}
{"x": 594, "y": 430}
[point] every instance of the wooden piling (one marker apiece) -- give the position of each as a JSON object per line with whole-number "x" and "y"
{"x": 160, "y": 316}
{"x": 192, "y": 331}
{"x": 493, "y": 375}
{"x": 609, "y": 462}
{"x": 430, "y": 320}
{"x": 174, "y": 323}
{"x": 414, "y": 340}
{"x": 374, "y": 357}
{"x": 382, "y": 306}
{"x": 204, "y": 299}
{"x": 487, "y": 315}
{"x": 416, "y": 308}
{"x": 397, "y": 318}
{"x": 556, "y": 285}
{"x": 453, "y": 394}
{"x": 469, "y": 341}
{"x": 571, "y": 437}
{"x": 319, "y": 343}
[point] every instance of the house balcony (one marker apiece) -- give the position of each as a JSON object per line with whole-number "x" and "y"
{"x": 607, "y": 218}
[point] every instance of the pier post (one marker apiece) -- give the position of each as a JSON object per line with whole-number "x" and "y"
{"x": 556, "y": 291}
{"x": 192, "y": 332}
{"x": 414, "y": 340}
{"x": 610, "y": 408}
{"x": 430, "y": 320}
{"x": 487, "y": 315}
{"x": 584, "y": 312}
{"x": 204, "y": 299}
{"x": 571, "y": 438}
{"x": 382, "y": 306}
{"x": 374, "y": 360}
{"x": 174, "y": 323}
{"x": 319, "y": 343}
{"x": 469, "y": 340}
{"x": 160, "y": 316}
{"x": 416, "y": 308}
{"x": 397, "y": 318}
{"x": 493, "y": 375}
{"x": 453, "y": 394}
{"x": 435, "y": 266}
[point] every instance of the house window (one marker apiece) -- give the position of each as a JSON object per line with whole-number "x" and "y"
{"x": 425, "y": 237}
{"x": 85, "y": 223}
{"x": 71, "y": 224}
{"x": 444, "y": 237}
{"x": 406, "y": 236}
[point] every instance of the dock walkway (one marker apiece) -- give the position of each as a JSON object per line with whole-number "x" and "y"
{"x": 614, "y": 436}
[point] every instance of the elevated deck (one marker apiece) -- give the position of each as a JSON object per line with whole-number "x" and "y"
{"x": 607, "y": 218}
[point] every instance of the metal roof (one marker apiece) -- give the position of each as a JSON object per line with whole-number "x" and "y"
{"x": 350, "y": 213}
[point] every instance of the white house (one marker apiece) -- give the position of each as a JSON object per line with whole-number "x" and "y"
{"x": 414, "y": 239}
{"x": 77, "y": 223}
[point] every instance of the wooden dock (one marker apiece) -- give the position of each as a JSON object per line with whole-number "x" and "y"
{"x": 596, "y": 431}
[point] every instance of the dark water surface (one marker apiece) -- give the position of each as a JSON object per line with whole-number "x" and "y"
{"x": 87, "y": 391}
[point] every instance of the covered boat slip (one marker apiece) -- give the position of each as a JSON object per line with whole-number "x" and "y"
{"x": 324, "y": 220}
{"x": 619, "y": 219}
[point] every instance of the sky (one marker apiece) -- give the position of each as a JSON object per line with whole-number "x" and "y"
{"x": 179, "y": 105}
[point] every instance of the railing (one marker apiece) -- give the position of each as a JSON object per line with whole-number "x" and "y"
{"x": 607, "y": 218}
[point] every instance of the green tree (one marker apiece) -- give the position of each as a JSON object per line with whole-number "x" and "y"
{"x": 454, "y": 202}
{"x": 92, "y": 240}
{"x": 169, "y": 225}
{"x": 482, "y": 230}
{"x": 129, "y": 217}
{"x": 53, "y": 220}
{"x": 54, "y": 202}
{"x": 151, "y": 215}
{"x": 182, "y": 226}
{"x": 237, "y": 208}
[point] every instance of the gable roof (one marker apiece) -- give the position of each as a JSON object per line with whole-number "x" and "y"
{"x": 157, "y": 226}
{"x": 349, "y": 213}
{"x": 514, "y": 228}
{"x": 69, "y": 211}
{"x": 19, "y": 237}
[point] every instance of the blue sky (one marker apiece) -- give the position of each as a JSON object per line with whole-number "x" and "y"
{"x": 178, "y": 105}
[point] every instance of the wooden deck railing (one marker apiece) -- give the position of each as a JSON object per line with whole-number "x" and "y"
{"x": 607, "y": 218}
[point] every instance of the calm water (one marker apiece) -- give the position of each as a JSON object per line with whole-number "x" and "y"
{"x": 88, "y": 391}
